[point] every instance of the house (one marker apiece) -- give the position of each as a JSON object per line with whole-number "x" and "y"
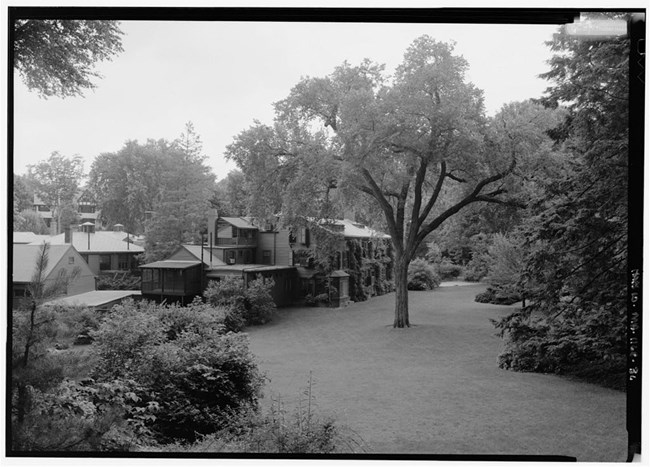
{"x": 361, "y": 264}
{"x": 44, "y": 211}
{"x": 63, "y": 259}
{"x": 104, "y": 252}
{"x": 86, "y": 208}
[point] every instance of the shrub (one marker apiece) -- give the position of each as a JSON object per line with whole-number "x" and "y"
{"x": 422, "y": 275}
{"x": 498, "y": 296}
{"x": 252, "y": 305}
{"x": 449, "y": 271}
{"x": 77, "y": 417}
{"x": 183, "y": 359}
{"x": 125, "y": 281}
{"x": 587, "y": 343}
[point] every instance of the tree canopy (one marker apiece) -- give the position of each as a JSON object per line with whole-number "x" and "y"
{"x": 576, "y": 234}
{"x": 57, "y": 57}
{"x": 56, "y": 181}
{"x": 160, "y": 188}
{"x": 418, "y": 146}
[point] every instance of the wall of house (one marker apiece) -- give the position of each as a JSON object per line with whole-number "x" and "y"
{"x": 85, "y": 281}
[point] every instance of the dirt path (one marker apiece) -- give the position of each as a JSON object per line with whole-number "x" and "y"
{"x": 434, "y": 388}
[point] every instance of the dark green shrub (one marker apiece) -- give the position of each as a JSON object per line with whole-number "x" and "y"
{"x": 498, "y": 296}
{"x": 253, "y": 303}
{"x": 120, "y": 281}
{"x": 587, "y": 343}
{"x": 422, "y": 275}
{"x": 182, "y": 359}
{"x": 449, "y": 271}
{"x": 82, "y": 417}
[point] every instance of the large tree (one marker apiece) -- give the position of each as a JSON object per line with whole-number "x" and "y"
{"x": 160, "y": 188}
{"x": 56, "y": 182}
{"x": 575, "y": 273}
{"x": 418, "y": 147}
{"x": 57, "y": 57}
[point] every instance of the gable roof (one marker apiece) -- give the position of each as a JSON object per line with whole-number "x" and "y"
{"x": 29, "y": 237}
{"x": 100, "y": 242}
{"x": 195, "y": 251}
{"x": 25, "y": 256}
{"x": 239, "y": 222}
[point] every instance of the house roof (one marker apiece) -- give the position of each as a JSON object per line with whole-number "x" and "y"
{"x": 195, "y": 250}
{"x": 100, "y": 242}
{"x": 29, "y": 237}
{"x": 171, "y": 264}
{"x": 25, "y": 256}
{"x": 239, "y": 222}
{"x": 353, "y": 229}
{"x": 241, "y": 268}
{"x": 94, "y": 298}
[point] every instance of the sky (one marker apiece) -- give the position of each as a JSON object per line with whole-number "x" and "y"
{"x": 221, "y": 76}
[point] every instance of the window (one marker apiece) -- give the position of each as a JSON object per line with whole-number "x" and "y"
{"x": 42, "y": 208}
{"x": 241, "y": 253}
{"x": 345, "y": 259}
{"x": 104, "y": 262}
{"x": 123, "y": 262}
{"x": 266, "y": 257}
{"x": 304, "y": 236}
{"x": 86, "y": 208}
{"x": 70, "y": 259}
{"x": 235, "y": 232}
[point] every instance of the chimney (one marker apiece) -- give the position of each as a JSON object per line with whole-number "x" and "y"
{"x": 67, "y": 234}
{"x": 213, "y": 215}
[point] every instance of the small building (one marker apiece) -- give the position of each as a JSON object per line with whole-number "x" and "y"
{"x": 172, "y": 280}
{"x": 62, "y": 259}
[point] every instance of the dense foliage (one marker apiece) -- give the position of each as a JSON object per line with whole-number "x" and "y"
{"x": 245, "y": 304}
{"x": 422, "y": 275}
{"x": 57, "y": 57}
{"x": 575, "y": 237}
{"x": 159, "y": 188}
{"x": 183, "y": 360}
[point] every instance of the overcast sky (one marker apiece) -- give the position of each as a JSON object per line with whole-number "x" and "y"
{"x": 221, "y": 76}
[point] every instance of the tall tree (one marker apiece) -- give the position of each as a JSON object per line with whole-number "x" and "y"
{"x": 57, "y": 181}
{"x": 57, "y": 57}
{"x": 575, "y": 274}
{"x": 231, "y": 195}
{"x": 158, "y": 188}
{"x": 419, "y": 147}
{"x": 187, "y": 185}
{"x": 127, "y": 184}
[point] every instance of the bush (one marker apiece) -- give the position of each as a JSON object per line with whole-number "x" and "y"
{"x": 449, "y": 271}
{"x": 252, "y": 305}
{"x": 499, "y": 296}
{"x": 422, "y": 275}
{"x": 82, "y": 417}
{"x": 119, "y": 281}
{"x": 588, "y": 344}
{"x": 182, "y": 359}
{"x": 277, "y": 431}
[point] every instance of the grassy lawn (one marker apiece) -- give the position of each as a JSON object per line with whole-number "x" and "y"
{"x": 433, "y": 388}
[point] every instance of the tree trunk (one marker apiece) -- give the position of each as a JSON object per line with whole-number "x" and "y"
{"x": 401, "y": 293}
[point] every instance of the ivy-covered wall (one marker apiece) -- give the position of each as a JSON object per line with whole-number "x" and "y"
{"x": 370, "y": 268}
